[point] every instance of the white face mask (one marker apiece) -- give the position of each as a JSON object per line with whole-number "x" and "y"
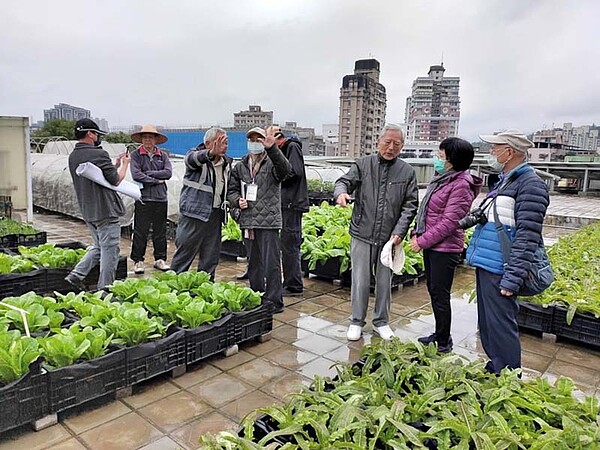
{"x": 493, "y": 162}
{"x": 255, "y": 148}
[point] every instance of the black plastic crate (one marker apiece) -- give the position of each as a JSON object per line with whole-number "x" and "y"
{"x": 533, "y": 317}
{"x": 233, "y": 249}
{"x": 8, "y": 241}
{"x": 584, "y": 329}
{"x": 24, "y": 400}
{"x": 55, "y": 278}
{"x": 32, "y": 240}
{"x": 208, "y": 340}
{"x": 263, "y": 425}
{"x": 147, "y": 360}
{"x": 330, "y": 270}
{"x": 251, "y": 324}
{"x": 12, "y": 241}
{"x": 15, "y": 284}
{"x": 77, "y": 384}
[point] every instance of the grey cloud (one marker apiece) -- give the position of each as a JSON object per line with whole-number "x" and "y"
{"x": 197, "y": 62}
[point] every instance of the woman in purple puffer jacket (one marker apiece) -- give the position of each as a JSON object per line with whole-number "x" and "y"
{"x": 448, "y": 199}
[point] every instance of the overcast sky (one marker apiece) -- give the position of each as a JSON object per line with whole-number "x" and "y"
{"x": 522, "y": 63}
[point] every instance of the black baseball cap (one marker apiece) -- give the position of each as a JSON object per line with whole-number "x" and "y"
{"x": 87, "y": 125}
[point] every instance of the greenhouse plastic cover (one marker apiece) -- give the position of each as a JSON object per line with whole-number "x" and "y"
{"x": 53, "y": 187}
{"x": 66, "y": 147}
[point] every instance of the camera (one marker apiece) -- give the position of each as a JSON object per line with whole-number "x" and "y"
{"x": 475, "y": 217}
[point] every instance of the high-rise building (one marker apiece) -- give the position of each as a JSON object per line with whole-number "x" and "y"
{"x": 66, "y": 112}
{"x": 362, "y": 109}
{"x": 433, "y": 109}
{"x": 253, "y": 117}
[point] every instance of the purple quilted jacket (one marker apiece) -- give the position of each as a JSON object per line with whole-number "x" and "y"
{"x": 448, "y": 204}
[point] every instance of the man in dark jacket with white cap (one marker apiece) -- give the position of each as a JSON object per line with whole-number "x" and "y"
{"x": 100, "y": 207}
{"x": 521, "y": 199}
{"x": 255, "y": 188}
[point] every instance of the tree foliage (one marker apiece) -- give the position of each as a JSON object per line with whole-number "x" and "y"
{"x": 57, "y": 127}
{"x": 118, "y": 138}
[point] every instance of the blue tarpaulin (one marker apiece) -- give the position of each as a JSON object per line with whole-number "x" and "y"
{"x": 180, "y": 142}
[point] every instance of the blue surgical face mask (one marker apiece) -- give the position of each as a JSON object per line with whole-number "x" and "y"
{"x": 255, "y": 148}
{"x": 439, "y": 164}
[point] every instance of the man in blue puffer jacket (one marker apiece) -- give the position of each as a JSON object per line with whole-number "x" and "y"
{"x": 521, "y": 199}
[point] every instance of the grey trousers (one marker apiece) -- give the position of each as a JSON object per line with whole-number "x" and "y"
{"x": 195, "y": 237}
{"x": 106, "y": 235}
{"x": 364, "y": 257}
{"x": 497, "y": 319}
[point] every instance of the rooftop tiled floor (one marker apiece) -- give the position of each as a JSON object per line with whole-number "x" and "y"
{"x": 307, "y": 339}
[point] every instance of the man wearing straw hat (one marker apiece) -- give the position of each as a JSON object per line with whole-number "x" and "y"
{"x": 151, "y": 167}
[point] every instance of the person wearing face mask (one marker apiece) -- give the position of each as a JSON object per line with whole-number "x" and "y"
{"x": 255, "y": 187}
{"x": 294, "y": 203}
{"x": 202, "y": 204}
{"x": 100, "y": 207}
{"x": 387, "y": 197}
{"x": 448, "y": 199}
{"x": 151, "y": 167}
{"x": 521, "y": 199}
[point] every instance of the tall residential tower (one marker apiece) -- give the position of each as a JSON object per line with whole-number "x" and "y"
{"x": 433, "y": 109}
{"x": 362, "y": 110}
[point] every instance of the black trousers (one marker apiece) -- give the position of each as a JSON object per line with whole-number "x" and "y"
{"x": 497, "y": 319}
{"x": 195, "y": 237}
{"x": 149, "y": 215}
{"x": 439, "y": 271}
{"x": 264, "y": 265}
{"x": 291, "y": 239}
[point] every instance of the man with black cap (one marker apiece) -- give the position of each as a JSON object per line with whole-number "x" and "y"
{"x": 294, "y": 203}
{"x": 518, "y": 201}
{"x": 100, "y": 207}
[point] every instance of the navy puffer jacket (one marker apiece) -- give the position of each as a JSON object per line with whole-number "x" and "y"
{"x": 521, "y": 203}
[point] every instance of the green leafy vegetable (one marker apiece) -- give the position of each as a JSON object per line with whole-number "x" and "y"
{"x": 16, "y": 354}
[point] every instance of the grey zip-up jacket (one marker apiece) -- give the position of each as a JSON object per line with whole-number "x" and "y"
{"x": 198, "y": 191}
{"x": 386, "y": 198}
{"x": 95, "y": 201}
{"x": 265, "y": 212}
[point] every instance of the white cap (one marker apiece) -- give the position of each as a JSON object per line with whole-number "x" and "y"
{"x": 393, "y": 256}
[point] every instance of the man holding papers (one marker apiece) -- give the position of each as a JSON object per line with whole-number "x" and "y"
{"x": 100, "y": 207}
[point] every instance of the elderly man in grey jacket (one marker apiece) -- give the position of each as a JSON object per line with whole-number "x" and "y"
{"x": 386, "y": 201}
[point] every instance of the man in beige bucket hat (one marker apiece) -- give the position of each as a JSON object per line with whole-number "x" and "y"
{"x": 151, "y": 167}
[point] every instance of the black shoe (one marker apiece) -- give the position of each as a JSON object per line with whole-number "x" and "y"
{"x": 445, "y": 348}
{"x": 77, "y": 284}
{"x": 291, "y": 293}
{"x": 277, "y": 309}
{"x": 426, "y": 340}
{"x": 243, "y": 276}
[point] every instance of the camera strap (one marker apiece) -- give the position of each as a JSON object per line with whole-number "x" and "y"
{"x": 505, "y": 243}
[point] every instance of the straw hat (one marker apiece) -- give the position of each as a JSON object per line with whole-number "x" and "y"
{"x": 393, "y": 256}
{"x": 137, "y": 136}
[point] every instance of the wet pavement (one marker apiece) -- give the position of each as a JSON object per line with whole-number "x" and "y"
{"x": 307, "y": 339}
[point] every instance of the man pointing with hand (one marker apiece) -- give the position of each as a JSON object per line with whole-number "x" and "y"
{"x": 255, "y": 187}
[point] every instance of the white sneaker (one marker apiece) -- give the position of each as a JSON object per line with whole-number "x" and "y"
{"x": 384, "y": 332}
{"x": 139, "y": 267}
{"x": 161, "y": 265}
{"x": 354, "y": 332}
